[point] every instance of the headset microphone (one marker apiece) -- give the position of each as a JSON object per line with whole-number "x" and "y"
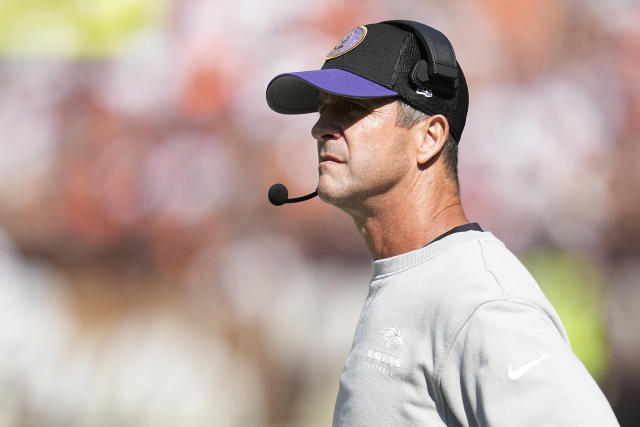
{"x": 279, "y": 195}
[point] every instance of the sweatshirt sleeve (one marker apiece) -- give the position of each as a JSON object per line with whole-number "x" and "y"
{"x": 510, "y": 366}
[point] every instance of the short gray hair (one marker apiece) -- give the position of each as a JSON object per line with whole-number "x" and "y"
{"x": 409, "y": 117}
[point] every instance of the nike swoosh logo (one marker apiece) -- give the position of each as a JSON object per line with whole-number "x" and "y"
{"x": 517, "y": 373}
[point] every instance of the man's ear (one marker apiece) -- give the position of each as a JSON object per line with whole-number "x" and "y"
{"x": 431, "y": 134}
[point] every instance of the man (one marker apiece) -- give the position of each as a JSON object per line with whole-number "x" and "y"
{"x": 454, "y": 330}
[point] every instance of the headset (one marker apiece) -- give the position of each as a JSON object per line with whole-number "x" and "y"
{"x": 440, "y": 70}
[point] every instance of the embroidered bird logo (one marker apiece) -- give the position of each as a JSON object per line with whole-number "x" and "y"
{"x": 392, "y": 336}
{"x": 342, "y": 42}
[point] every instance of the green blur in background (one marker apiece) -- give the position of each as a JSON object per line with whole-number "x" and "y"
{"x": 74, "y": 28}
{"x": 574, "y": 287}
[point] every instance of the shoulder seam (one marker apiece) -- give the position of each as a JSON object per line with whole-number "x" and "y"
{"x": 455, "y": 338}
{"x": 486, "y": 268}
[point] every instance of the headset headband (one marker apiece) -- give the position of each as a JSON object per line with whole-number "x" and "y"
{"x": 440, "y": 70}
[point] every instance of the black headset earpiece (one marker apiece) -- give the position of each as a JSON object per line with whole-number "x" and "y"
{"x": 439, "y": 71}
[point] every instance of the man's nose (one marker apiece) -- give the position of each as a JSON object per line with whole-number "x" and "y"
{"x": 325, "y": 128}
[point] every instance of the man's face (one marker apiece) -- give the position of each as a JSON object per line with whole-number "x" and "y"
{"x": 362, "y": 153}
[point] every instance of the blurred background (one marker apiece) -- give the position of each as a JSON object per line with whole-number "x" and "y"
{"x": 146, "y": 281}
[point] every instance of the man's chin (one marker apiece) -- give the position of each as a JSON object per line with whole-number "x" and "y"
{"x": 338, "y": 196}
{"x": 329, "y": 194}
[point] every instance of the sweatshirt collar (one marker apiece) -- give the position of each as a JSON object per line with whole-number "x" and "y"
{"x": 395, "y": 264}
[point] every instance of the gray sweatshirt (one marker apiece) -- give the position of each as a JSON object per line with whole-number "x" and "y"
{"x": 458, "y": 333}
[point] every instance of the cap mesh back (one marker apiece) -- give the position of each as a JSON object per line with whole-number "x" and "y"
{"x": 453, "y": 108}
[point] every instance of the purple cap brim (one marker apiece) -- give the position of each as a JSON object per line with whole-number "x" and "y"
{"x": 297, "y": 93}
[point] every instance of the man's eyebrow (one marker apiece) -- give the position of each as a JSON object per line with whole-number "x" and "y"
{"x": 323, "y": 99}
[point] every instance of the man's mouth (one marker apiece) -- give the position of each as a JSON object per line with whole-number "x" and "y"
{"x": 329, "y": 158}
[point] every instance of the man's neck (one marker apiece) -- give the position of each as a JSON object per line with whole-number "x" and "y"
{"x": 400, "y": 224}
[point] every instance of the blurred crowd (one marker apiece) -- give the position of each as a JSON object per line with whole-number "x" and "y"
{"x": 145, "y": 279}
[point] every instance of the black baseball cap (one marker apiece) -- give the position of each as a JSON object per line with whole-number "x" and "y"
{"x": 371, "y": 61}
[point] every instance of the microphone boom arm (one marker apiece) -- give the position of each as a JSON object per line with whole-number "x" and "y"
{"x": 303, "y": 198}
